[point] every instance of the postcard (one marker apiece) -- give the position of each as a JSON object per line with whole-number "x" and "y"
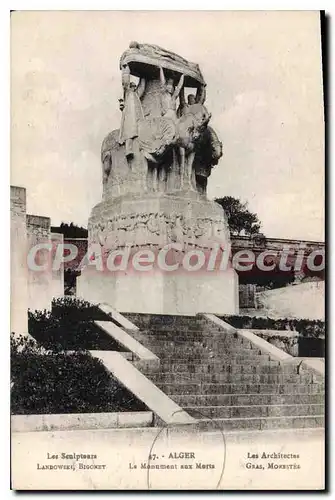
{"x": 167, "y": 250}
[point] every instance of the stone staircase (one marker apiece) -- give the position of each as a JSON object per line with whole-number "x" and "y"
{"x": 223, "y": 380}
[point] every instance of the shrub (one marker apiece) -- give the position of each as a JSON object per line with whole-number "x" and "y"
{"x": 305, "y": 327}
{"x": 48, "y": 382}
{"x": 70, "y": 325}
{"x": 77, "y": 310}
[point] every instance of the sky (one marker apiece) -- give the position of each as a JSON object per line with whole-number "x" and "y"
{"x": 264, "y": 90}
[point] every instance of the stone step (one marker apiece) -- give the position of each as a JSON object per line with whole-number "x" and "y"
{"x": 164, "y": 321}
{"x": 180, "y": 327}
{"x": 246, "y": 399}
{"x": 272, "y": 367}
{"x": 180, "y": 337}
{"x": 169, "y": 323}
{"x": 200, "y": 328}
{"x": 222, "y": 380}
{"x": 208, "y": 358}
{"x": 212, "y": 366}
{"x": 202, "y": 354}
{"x": 200, "y": 346}
{"x": 255, "y": 411}
{"x": 226, "y": 377}
{"x": 187, "y": 335}
{"x": 187, "y": 350}
{"x": 221, "y": 344}
{"x": 224, "y": 340}
{"x": 221, "y": 388}
{"x": 171, "y": 350}
{"x": 256, "y": 423}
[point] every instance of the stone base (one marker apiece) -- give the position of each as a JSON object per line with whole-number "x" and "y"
{"x": 162, "y": 293}
{"x": 150, "y": 223}
{"x": 158, "y": 219}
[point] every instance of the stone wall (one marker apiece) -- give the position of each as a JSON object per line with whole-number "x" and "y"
{"x": 39, "y": 282}
{"x": 57, "y": 239}
{"x": 287, "y": 341}
{"x": 19, "y": 287}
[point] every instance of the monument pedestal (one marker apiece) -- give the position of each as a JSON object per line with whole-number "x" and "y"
{"x": 161, "y": 293}
{"x": 194, "y": 226}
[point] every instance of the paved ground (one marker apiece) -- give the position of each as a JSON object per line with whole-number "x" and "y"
{"x": 119, "y": 459}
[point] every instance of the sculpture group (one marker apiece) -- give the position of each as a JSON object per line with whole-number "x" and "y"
{"x": 163, "y": 135}
{"x": 155, "y": 169}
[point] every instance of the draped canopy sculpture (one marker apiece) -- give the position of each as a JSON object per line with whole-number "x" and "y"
{"x": 164, "y": 143}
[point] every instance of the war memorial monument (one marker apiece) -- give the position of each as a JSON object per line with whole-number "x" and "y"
{"x": 155, "y": 168}
{"x": 153, "y": 374}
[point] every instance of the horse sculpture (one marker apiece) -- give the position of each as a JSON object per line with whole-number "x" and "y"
{"x": 208, "y": 151}
{"x": 190, "y": 128}
{"x": 193, "y": 145}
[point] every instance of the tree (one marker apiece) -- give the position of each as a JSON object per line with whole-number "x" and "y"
{"x": 240, "y": 220}
{"x": 70, "y": 230}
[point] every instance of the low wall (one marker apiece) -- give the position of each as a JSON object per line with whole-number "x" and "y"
{"x": 57, "y": 276}
{"x": 285, "y": 340}
{"x": 80, "y": 421}
{"x": 306, "y": 300}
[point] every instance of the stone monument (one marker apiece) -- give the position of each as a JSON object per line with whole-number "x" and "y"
{"x": 155, "y": 169}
